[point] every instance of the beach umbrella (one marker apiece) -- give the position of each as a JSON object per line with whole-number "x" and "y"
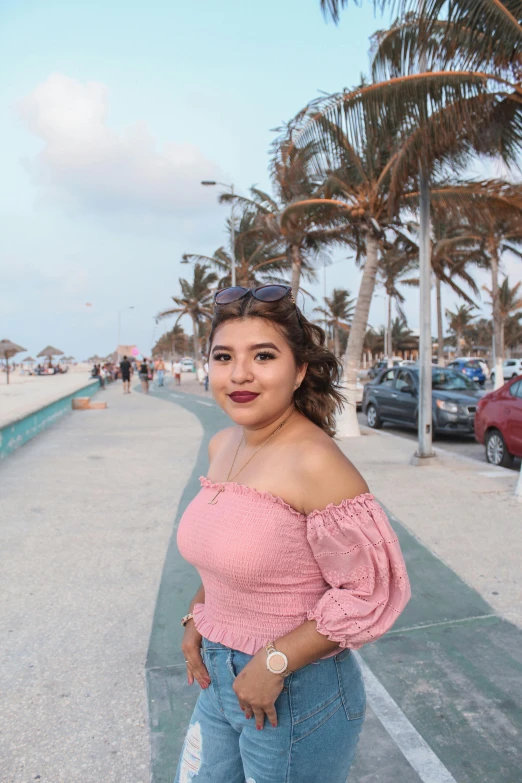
{"x": 8, "y": 349}
{"x": 28, "y": 359}
{"x": 49, "y": 352}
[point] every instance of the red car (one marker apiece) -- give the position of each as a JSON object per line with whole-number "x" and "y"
{"x": 498, "y": 423}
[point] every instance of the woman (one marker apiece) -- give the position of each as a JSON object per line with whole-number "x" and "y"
{"x": 298, "y": 562}
{"x": 144, "y": 376}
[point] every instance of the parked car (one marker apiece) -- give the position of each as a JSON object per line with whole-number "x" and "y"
{"x": 470, "y": 367}
{"x": 498, "y": 423}
{"x": 510, "y": 368}
{"x": 483, "y": 363}
{"x": 187, "y": 365}
{"x": 393, "y": 397}
{"x": 381, "y": 364}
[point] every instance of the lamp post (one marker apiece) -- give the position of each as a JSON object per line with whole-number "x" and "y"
{"x": 131, "y": 307}
{"x": 208, "y": 182}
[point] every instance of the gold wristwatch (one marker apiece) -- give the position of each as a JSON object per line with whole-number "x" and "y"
{"x": 276, "y": 661}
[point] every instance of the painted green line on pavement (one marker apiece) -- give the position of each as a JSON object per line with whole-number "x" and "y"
{"x": 453, "y": 667}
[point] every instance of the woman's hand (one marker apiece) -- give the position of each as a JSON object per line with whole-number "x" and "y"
{"x": 257, "y": 690}
{"x": 191, "y": 648}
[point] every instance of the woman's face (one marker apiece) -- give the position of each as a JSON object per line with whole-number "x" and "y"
{"x": 252, "y": 371}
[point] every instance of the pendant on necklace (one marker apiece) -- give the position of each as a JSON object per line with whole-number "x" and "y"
{"x": 215, "y": 498}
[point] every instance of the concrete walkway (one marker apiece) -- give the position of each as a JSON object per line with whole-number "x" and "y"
{"x": 87, "y": 513}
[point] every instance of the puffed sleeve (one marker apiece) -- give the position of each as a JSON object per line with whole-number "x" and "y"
{"x": 360, "y": 558}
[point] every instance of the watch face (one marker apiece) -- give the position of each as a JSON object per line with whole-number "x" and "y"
{"x": 277, "y": 662}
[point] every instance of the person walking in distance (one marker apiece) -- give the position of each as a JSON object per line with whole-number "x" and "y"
{"x": 126, "y": 372}
{"x": 160, "y": 369}
{"x": 144, "y": 376}
{"x": 205, "y": 370}
{"x": 176, "y": 371}
{"x": 298, "y": 561}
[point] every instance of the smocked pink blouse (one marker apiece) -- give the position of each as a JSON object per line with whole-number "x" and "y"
{"x": 267, "y": 568}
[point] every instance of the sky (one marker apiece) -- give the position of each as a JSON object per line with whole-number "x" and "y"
{"x": 111, "y": 113}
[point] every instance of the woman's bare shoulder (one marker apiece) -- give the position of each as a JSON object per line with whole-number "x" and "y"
{"x": 220, "y": 440}
{"x": 326, "y": 474}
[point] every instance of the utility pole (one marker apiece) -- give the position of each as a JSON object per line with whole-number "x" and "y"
{"x": 425, "y": 444}
{"x": 424, "y": 454}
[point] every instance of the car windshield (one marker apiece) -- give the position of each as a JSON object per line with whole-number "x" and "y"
{"x": 449, "y": 380}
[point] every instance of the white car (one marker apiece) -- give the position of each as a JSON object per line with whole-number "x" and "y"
{"x": 187, "y": 365}
{"x": 511, "y": 368}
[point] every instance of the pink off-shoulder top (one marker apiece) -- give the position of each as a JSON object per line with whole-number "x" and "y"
{"x": 267, "y": 568}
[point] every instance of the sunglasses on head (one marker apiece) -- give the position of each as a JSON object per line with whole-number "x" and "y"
{"x": 264, "y": 293}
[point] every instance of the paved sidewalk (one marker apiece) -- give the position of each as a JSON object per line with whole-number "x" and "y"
{"x": 461, "y": 509}
{"x": 87, "y": 514}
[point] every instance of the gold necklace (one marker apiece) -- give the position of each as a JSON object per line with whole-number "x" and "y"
{"x": 229, "y": 478}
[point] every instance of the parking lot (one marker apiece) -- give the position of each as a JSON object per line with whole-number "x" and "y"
{"x": 465, "y": 446}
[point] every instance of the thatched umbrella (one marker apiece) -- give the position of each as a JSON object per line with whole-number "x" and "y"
{"x": 8, "y": 349}
{"x": 49, "y": 352}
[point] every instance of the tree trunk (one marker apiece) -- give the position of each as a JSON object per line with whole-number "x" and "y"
{"x": 195, "y": 341}
{"x": 390, "y": 335}
{"x": 459, "y": 343}
{"x": 440, "y": 328}
{"x": 336, "y": 340}
{"x": 347, "y": 423}
{"x": 497, "y": 320}
{"x": 295, "y": 255}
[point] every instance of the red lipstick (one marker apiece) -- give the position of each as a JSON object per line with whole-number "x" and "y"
{"x": 243, "y": 396}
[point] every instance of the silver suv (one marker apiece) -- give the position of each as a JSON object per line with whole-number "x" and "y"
{"x": 511, "y": 368}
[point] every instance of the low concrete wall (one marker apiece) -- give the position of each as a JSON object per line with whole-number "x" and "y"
{"x": 18, "y": 432}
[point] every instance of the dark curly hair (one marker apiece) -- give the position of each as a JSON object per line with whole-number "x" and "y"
{"x": 319, "y": 396}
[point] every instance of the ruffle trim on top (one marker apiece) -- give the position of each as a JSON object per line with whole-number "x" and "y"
{"x": 222, "y": 635}
{"x": 351, "y": 512}
{"x": 333, "y": 510}
{"x": 242, "y": 489}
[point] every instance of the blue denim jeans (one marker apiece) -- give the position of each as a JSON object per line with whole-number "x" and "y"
{"x": 161, "y": 376}
{"x": 320, "y": 713}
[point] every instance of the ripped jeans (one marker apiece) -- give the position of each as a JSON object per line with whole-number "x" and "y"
{"x": 320, "y": 713}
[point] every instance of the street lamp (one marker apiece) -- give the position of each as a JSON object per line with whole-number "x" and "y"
{"x": 131, "y": 307}
{"x": 211, "y": 182}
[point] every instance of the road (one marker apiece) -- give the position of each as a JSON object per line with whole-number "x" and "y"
{"x": 464, "y": 446}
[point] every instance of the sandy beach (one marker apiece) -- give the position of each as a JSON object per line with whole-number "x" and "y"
{"x": 27, "y": 393}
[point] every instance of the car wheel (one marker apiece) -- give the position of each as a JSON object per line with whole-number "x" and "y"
{"x": 496, "y": 449}
{"x": 373, "y": 418}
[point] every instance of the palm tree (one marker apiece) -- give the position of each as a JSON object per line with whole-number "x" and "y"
{"x": 338, "y": 313}
{"x": 460, "y": 321}
{"x": 195, "y": 301}
{"x": 371, "y": 144}
{"x": 398, "y": 259}
{"x": 172, "y": 342}
{"x": 454, "y": 247}
{"x": 258, "y": 260}
{"x": 493, "y": 209}
{"x": 509, "y": 305}
{"x": 295, "y": 218}
{"x": 513, "y": 332}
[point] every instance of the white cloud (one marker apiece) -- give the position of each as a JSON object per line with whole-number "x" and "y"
{"x": 87, "y": 164}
